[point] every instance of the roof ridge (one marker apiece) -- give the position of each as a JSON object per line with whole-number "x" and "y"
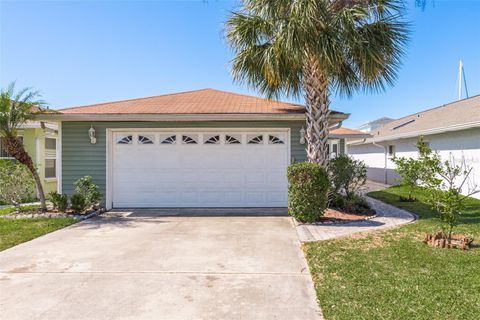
{"x": 430, "y": 109}
{"x": 132, "y": 99}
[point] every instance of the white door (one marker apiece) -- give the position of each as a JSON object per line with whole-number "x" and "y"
{"x": 199, "y": 169}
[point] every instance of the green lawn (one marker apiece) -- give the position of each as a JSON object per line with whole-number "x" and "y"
{"x": 393, "y": 275}
{"x": 16, "y": 231}
{"x": 8, "y": 210}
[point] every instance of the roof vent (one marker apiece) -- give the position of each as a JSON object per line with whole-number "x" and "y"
{"x": 403, "y": 124}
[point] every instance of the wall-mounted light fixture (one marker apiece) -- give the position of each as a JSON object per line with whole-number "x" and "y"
{"x": 91, "y": 134}
{"x": 302, "y": 136}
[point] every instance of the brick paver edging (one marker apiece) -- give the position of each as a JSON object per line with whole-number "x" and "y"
{"x": 387, "y": 217}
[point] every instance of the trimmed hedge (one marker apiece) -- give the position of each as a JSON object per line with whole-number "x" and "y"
{"x": 78, "y": 203}
{"x": 308, "y": 187}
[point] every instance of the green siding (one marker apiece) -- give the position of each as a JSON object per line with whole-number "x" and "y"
{"x": 80, "y": 158}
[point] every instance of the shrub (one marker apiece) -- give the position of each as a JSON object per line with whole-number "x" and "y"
{"x": 54, "y": 198}
{"x": 59, "y": 201}
{"x": 88, "y": 190}
{"x": 445, "y": 194}
{"x": 16, "y": 183}
{"x": 347, "y": 175}
{"x": 78, "y": 203}
{"x": 410, "y": 170}
{"x": 416, "y": 171}
{"x": 308, "y": 186}
{"x": 356, "y": 204}
{"x": 337, "y": 200}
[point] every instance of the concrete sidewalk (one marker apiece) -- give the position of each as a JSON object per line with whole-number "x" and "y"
{"x": 148, "y": 267}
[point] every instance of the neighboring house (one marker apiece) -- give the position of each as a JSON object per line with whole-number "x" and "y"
{"x": 204, "y": 148}
{"x": 340, "y": 137}
{"x": 40, "y": 141}
{"x": 451, "y": 129}
{"x": 375, "y": 124}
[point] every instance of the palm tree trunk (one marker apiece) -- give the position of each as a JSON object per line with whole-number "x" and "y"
{"x": 15, "y": 149}
{"x": 317, "y": 101}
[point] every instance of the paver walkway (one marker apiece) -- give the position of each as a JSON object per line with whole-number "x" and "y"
{"x": 388, "y": 216}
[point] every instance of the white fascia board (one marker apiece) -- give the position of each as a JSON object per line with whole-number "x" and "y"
{"x": 38, "y": 125}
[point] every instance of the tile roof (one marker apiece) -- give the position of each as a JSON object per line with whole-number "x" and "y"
{"x": 347, "y": 131}
{"x": 206, "y": 101}
{"x": 453, "y": 116}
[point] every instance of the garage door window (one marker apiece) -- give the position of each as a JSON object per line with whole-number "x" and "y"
{"x": 212, "y": 139}
{"x": 257, "y": 139}
{"x": 145, "y": 139}
{"x": 275, "y": 139}
{"x": 125, "y": 140}
{"x": 230, "y": 139}
{"x": 168, "y": 139}
{"x": 189, "y": 139}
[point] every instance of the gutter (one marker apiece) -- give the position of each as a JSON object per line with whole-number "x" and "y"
{"x": 338, "y": 125}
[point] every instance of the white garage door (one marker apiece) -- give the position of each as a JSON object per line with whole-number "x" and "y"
{"x": 199, "y": 169}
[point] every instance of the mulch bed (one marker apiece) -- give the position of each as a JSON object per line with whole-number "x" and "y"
{"x": 335, "y": 215}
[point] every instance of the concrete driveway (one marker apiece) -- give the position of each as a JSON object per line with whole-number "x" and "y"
{"x": 148, "y": 266}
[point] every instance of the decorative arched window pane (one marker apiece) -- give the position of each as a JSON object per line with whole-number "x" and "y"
{"x": 255, "y": 139}
{"x": 125, "y": 140}
{"x": 145, "y": 140}
{"x": 275, "y": 140}
{"x": 168, "y": 139}
{"x": 232, "y": 140}
{"x": 212, "y": 139}
{"x": 188, "y": 140}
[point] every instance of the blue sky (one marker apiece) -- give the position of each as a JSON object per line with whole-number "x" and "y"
{"x": 82, "y": 52}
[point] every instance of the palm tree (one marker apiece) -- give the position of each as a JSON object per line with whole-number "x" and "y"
{"x": 316, "y": 47}
{"x": 16, "y": 109}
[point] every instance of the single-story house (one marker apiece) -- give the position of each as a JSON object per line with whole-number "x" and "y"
{"x": 452, "y": 130}
{"x": 40, "y": 142}
{"x": 342, "y": 137}
{"x": 204, "y": 148}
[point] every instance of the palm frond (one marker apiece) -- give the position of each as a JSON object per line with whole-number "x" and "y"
{"x": 358, "y": 44}
{"x": 16, "y": 108}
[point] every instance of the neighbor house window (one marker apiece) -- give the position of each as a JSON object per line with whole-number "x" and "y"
{"x": 335, "y": 149}
{"x": 332, "y": 149}
{"x": 391, "y": 150}
{"x": 50, "y": 158}
{"x": 3, "y": 150}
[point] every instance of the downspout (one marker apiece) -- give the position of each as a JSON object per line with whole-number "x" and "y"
{"x": 385, "y": 178}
